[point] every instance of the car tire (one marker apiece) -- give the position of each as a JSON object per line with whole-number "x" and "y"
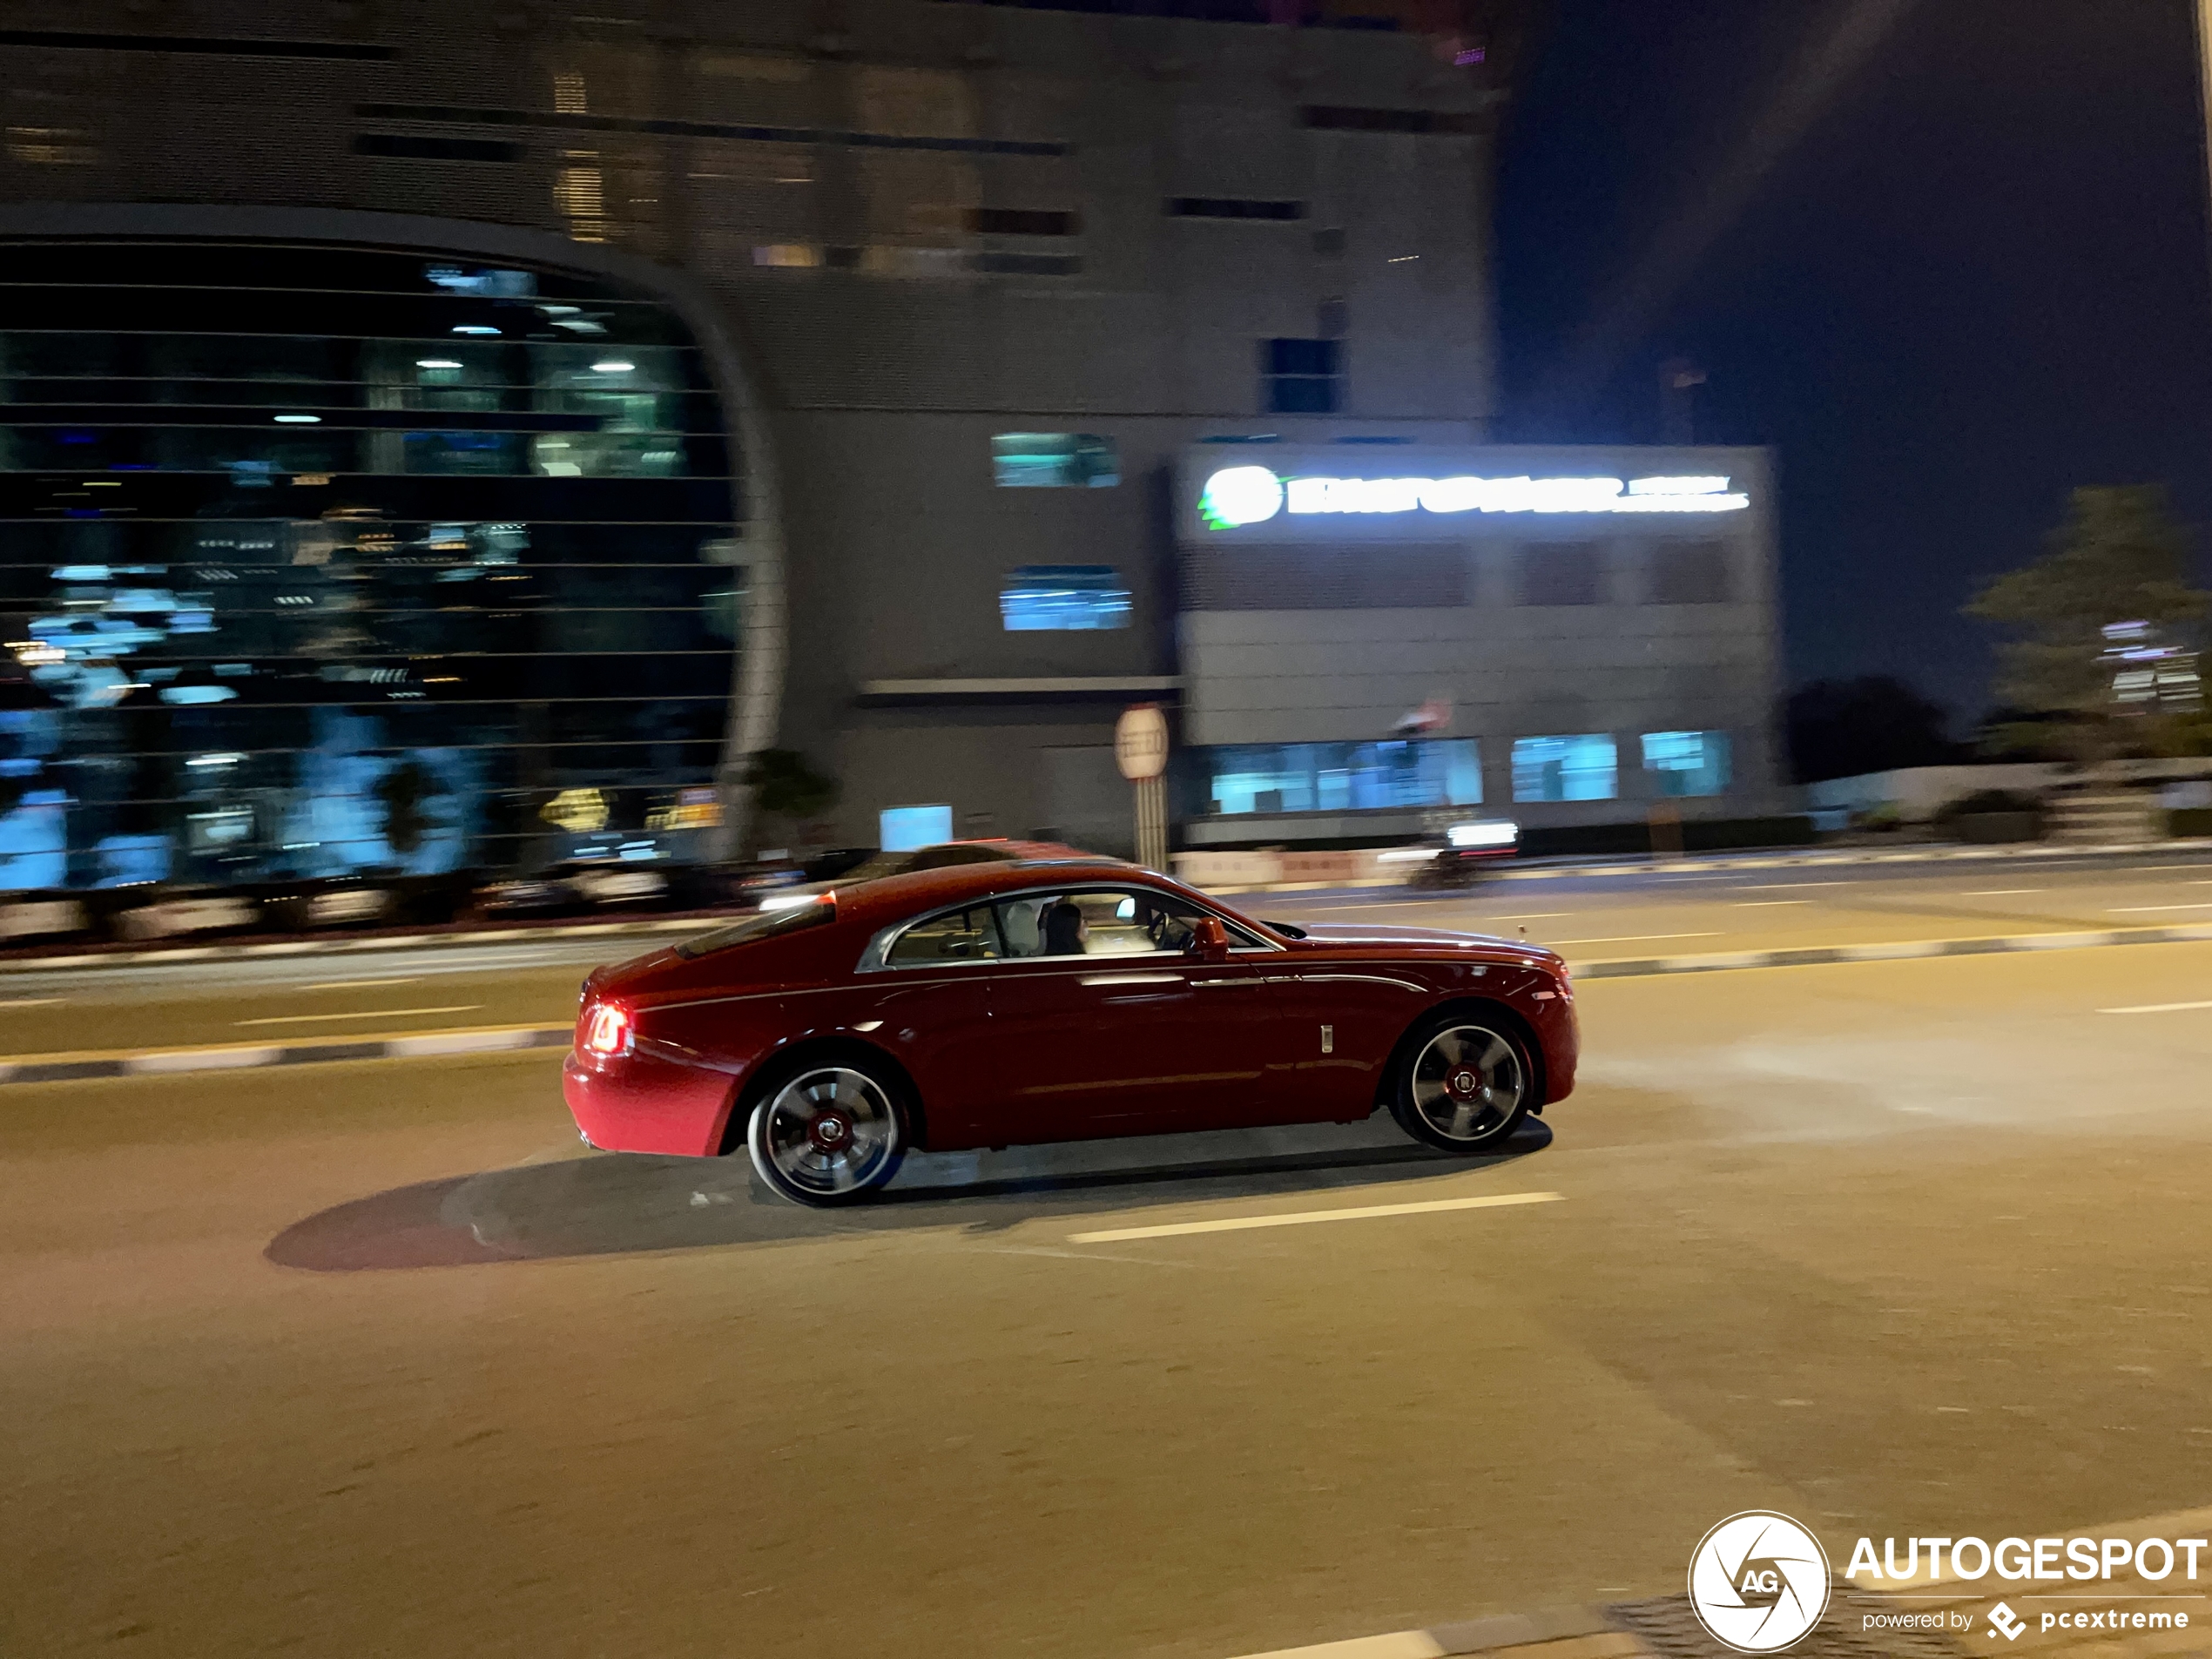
{"x": 829, "y": 1130}
{"x": 1465, "y": 1080}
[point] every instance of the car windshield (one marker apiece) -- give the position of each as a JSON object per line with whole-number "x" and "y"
{"x": 765, "y": 924}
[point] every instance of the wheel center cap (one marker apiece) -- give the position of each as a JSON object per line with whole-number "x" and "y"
{"x": 831, "y": 1132}
{"x": 1466, "y": 1082}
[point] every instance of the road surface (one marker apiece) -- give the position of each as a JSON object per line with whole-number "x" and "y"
{"x": 376, "y": 1357}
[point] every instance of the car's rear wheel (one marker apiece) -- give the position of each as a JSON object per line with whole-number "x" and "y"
{"x": 1466, "y": 1082}
{"x": 830, "y": 1132}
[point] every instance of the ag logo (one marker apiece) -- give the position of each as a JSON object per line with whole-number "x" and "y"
{"x": 1758, "y": 1582}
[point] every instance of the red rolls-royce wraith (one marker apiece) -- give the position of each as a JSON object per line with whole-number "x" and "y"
{"x": 1052, "y": 1000}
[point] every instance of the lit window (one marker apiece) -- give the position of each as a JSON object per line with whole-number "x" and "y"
{"x": 1039, "y": 596}
{"x": 1345, "y": 777}
{"x": 904, "y": 828}
{"x": 1301, "y": 377}
{"x": 1053, "y": 461}
{"x": 1582, "y": 767}
{"x": 1687, "y": 763}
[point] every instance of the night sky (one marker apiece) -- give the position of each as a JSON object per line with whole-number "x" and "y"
{"x": 1978, "y": 278}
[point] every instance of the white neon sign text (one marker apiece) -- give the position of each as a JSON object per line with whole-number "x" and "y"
{"x": 1238, "y": 496}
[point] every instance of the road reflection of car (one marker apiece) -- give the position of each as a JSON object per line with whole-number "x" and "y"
{"x": 941, "y": 856}
{"x": 1027, "y": 1000}
{"x": 1459, "y": 857}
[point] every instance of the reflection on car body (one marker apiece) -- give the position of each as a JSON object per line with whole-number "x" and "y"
{"x": 961, "y": 1008}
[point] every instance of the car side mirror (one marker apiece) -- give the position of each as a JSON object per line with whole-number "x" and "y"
{"x": 1209, "y": 938}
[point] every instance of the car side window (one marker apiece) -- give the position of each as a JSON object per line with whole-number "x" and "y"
{"x": 1101, "y": 921}
{"x": 955, "y": 936}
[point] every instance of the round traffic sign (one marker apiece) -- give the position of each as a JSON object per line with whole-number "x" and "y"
{"x": 1141, "y": 742}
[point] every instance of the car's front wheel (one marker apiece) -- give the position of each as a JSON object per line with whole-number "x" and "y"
{"x": 829, "y": 1132}
{"x": 1465, "y": 1084}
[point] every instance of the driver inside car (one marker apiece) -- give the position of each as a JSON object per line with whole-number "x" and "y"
{"x": 1066, "y": 933}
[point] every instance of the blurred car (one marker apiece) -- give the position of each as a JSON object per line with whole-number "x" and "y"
{"x": 574, "y": 886}
{"x": 1027, "y": 1000}
{"x": 40, "y": 917}
{"x": 1460, "y": 856}
{"x": 165, "y": 911}
{"x": 941, "y": 856}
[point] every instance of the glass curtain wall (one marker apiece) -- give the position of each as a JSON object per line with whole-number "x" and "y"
{"x": 318, "y": 560}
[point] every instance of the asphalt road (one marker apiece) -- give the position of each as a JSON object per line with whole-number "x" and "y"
{"x": 373, "y": 1358}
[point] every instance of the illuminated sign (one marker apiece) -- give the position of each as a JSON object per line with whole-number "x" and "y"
{"x": 1238, "y": 496}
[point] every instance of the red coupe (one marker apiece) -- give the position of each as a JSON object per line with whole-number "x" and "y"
{"x": 990, "y": 1005}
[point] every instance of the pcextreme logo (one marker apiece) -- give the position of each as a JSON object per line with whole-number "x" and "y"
{"x": 1758, "y": 1582}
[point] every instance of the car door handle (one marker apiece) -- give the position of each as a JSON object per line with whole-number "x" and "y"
{"x": 1130, "y": 979}
{"x": 1225, "y": 984}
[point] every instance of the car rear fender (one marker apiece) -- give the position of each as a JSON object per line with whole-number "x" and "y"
{"x": 1487, "y": 1008}
{"x": 808, "y": 1051}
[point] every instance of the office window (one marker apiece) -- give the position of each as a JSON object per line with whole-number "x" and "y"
{"x": 1580, "y": 767}
{"x": 1687, "y": 763}
{"x": 1690, "y": 573}
{"x": 1301, "y": 377}
{"x": 1345, "y": 777}
{"x": 1560, "y": 573}
{"x": 1054, "y": 460}
{"x": 1055, "y": 597}
{"x": 901, "y": 829}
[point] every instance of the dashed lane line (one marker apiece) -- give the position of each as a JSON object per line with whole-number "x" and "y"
{"x": 1305, "y": 1218}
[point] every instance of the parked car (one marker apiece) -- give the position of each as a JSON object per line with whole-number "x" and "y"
{"x": 575, "y": 886}
{"x": 163, "y": 911}
{"x": 1037, "y": 998}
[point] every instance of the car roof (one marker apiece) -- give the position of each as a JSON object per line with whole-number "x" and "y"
{"x": 887, "y": 898}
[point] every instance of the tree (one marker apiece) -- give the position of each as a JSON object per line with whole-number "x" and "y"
{"x": 404, "y": 790}
{"x": 1846, "y": 728}
{"x": 2119, "y": 562}
{"x": 785, "y": 786}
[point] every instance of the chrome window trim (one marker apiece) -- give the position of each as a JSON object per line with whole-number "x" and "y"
{"x": 875, "y": 957}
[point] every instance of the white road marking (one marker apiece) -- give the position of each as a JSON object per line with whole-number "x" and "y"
{"x": 1996, "y": 892}
{"x": 2157, "y": 1008}
{"x": 1399, "y": 1644}
{"x": 1299, "y": 1218}
{"x": 31, "y": 1001}
{"x": 1784, "y": 887}
{"x": 1541, "y": 915}
{"x": 1763, "y": 904}
{"x": 2129, "y": 909}
{"x": 366, "y": 1014}
{"x": 357, "y": 984}
{"x": 1630, "y": 939}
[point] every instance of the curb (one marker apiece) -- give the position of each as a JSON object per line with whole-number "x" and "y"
{"x": 66, "y": 1068}
{"x": 1769, "y": 861}
{"x": 1904, "y": 950}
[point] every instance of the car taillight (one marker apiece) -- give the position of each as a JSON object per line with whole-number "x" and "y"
{"x": 607, "y": 1033}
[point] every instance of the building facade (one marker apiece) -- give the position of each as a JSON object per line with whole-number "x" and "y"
{"x": 636, "y": 387}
